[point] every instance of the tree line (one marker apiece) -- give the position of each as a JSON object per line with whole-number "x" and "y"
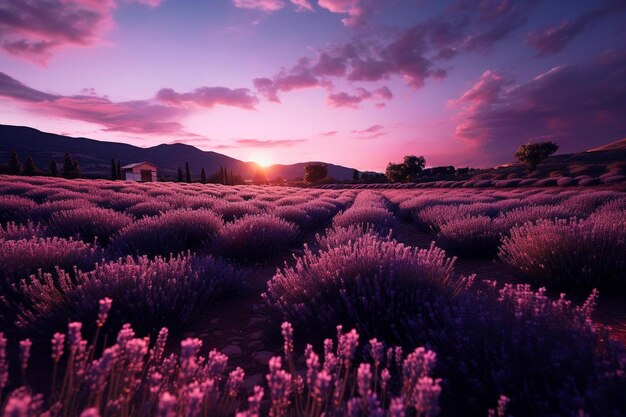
{"x": 70, "y": 168}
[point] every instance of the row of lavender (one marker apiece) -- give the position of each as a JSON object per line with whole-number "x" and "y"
{"x": 505, "y": 345}
{"x": 559, "y": 181}
{"x": 163, "y": 252}
{"x": 566, "y": 240}
{"x": 546, "y": 355}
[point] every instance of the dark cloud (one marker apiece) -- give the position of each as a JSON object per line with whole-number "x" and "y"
{"x": 554, "y": 38}
{"x": 35, "y": 29}
{"x": 159, "y": 116}
{"x": 578, "y": 106}
{"x": 298, "y": 77}
{"x": 210, "y": 97}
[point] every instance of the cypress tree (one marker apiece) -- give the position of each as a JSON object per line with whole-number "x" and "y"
{"x": 180, "y": 175}
{"x": 187, "y": 172}
{"x": 203, "y": 176}
{"x": 54, "y": 170}
{"x": 71, "y": 168}
{"x": 114, "y": 176}
{"x": 119, "y": 170}
{"x": 30, "y": 168}
{"x": 14, "y": 163}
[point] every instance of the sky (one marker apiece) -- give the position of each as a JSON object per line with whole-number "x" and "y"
{"x": 353, "y": 82}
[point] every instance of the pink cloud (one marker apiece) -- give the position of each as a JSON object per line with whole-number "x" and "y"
{"x": 328, "y": 65}
{"x": 554, "y": 38}
{"x": 486, "y": 90}
{"x": 303, "y": 6}
{"x": 278, "y": 143}
{"x": 371, "y": 129}
{"x": 159, "y": 116}
{"x": 574, "y": 105}
{"x": 210, "y": 97}
{"x": 35, "y": 29}
{"x": 384, "y": 92}
{"x": 263, "y": 5}
{"x": 352, "y": 8}
{"x": 343, "y": 99}
{"x": 331, "y": 133}
{"x": 298, "y": 77}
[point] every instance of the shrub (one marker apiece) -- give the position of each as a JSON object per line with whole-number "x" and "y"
{"x": 379, "y": 218}
{"x": 149, "y": 294}
{"x": 521, "y": 215}
{"x": 566, "y": 182}
{"x": 546, "y": 182}
{"x": 574, "y": 254}
{"x": 470, "y": 236}
{"x": 339, "y": 236}
{"x": 528, "y": 182}
{"x": 148, "y": 208}
{"x": 21, "y": 258}
{"x": 89, "y": 224}
{"x": 13, "y": 231}
{"x": 44, "y": 211}
{"x": 15, "y": 209}
{"x": 589, "y": 181}
{"x": 295, "y": 215}
{"x": 235, "y": 210}
{"x": 172, "y": 232}
{"x": 367, "y": 283}
{"x": 255, "y": 237}
{"x": 585, "y": 203}
{"x": 116, "y": 200}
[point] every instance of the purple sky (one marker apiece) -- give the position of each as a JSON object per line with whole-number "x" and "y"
{"x": 353, "y": 82}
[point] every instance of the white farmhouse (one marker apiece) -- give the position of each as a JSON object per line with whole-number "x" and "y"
{"x": 141, "y": 172}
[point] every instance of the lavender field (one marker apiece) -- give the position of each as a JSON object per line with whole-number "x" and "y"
{"x": 174, "y": 299}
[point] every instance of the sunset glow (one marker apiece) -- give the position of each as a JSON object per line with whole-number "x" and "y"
{"x": 358, "y": 83}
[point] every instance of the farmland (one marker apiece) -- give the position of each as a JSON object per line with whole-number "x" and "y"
{"x": 194, "y": 299}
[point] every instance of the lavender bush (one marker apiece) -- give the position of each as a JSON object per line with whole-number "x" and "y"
{"x": 24, "y": 257}
{"x": 172, "y": 232}
{"x": 88, "y": 224}
{"x": 367, "y": 283}
{"x": 149, "y": 293}
{"x": 15, "y": 209}
{"x": 13, "y": 231}
{"x": 148, "y": 208}
{"x": 574, "y": 254}
{"x": 470, "y": 236}
{"x": 255, "y": 237}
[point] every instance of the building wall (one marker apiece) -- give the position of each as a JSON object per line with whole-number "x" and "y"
{"x": 135, "y": 175}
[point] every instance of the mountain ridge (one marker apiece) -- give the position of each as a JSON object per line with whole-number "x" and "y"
{"x": 95, "y": 156}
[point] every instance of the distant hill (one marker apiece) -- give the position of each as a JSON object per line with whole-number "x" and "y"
{"x": 606, "y": 159}
{"x": 95, "y": 156}
{"x": 618, "y": 145}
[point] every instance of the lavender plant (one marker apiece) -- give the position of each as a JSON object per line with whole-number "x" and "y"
{"x": 569, "y": 254}
{"x": 172, "y": 232}
{"x": 88, "y": 224}
{"x": 150, "y": 294}
{"x": 255, "y": 237}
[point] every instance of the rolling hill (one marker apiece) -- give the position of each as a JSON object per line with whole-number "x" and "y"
{"x": 95, "y": 156}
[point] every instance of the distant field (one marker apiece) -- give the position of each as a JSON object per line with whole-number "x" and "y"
{"x": 225, "y": 266}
